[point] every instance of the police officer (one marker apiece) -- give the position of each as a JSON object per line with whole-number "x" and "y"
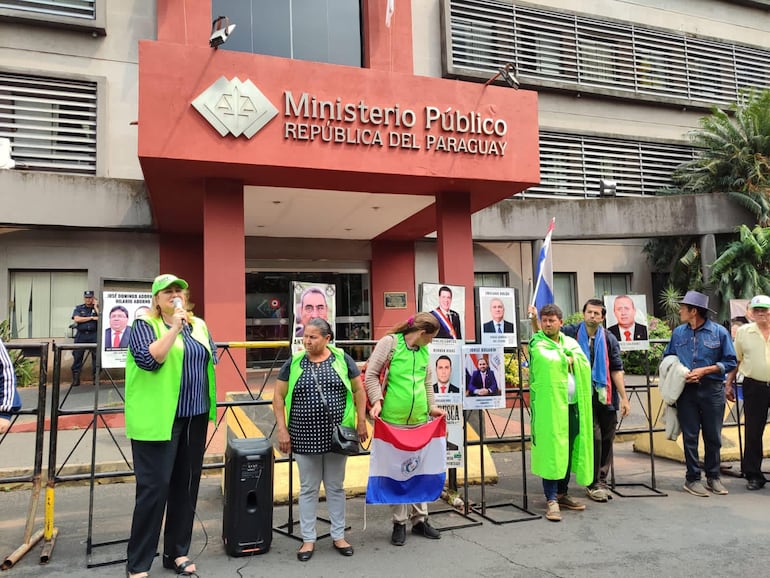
{"x": 85, "y": 317}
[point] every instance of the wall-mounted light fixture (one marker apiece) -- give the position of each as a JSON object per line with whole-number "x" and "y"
{"x": 221, "y": 29}
{"x": 608, "y": 188}
{"x": 506, "y": 73}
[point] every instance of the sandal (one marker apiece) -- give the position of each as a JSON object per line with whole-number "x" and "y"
{"x": 182, "y": 568}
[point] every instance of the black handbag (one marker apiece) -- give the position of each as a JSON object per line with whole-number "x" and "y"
{"x": 344, "y": 438}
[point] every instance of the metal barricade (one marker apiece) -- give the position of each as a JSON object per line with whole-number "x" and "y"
{"x": 31, "y": 537}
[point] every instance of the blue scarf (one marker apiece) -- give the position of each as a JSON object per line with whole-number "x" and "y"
{"x": 600, "y": 362}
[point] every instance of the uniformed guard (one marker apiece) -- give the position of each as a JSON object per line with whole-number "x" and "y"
{"x": 85, "y": 316}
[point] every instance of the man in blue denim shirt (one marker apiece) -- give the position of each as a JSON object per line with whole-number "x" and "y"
{"x": 707, "y": 350}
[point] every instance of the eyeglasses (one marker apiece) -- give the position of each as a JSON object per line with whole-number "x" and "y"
{"x": 761, "y": 311}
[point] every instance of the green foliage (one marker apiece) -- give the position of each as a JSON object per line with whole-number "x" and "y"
{"x": 576, "y": 317}
{"x": 26, "y": 369}
{"x": 669, "y": 299}
{"x": 511, "y": 369}
{"x": 735, "y": 156}
{"x": 679, "y": 257}
{"x": 636, "y": 362}
{"x": 742, "y": 270}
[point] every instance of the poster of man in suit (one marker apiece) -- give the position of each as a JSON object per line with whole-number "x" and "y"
{"x": 497, "y": 316}
{"x": 119, "y": 309}
{"x": 447, "y": 368}
{"x": 447, "y": 304}
{"x": 627, "y": 320}
{"x": 484, "y": 377}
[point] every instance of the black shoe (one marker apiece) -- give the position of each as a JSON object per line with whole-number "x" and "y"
{"x": 425, "y": 529}
{"x": 755, "y": 484}
{"x": 75, "y": 379}
{"x": 344, "y": 550}
{"x": 399, "y": 535}
{"x": 182, "y": 569}
{"x": 305, "y": 556}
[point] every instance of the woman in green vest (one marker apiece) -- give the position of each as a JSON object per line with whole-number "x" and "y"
{"x": 170, "y": 397}
{"x": 317, "y": 389}
{"x": 407, "y": 400}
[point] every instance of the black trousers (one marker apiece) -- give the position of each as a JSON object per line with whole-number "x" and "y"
{"x": 77, "y": 355}
{"x": 756, "y": 401}
{"x": 605, "y": 424}
{"x": 168, "y": 475}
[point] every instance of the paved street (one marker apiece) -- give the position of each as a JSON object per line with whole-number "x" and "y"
{"x": 677, "y": 535}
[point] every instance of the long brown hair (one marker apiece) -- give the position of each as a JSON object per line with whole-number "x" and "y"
{"x": 420, "y": 322}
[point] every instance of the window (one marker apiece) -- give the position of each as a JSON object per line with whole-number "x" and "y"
{"x": 564, "y": 50}
{"x": 545, "y": 44}
{"x": 51, "y": 122}
{"x": 268, "y": 314}
{"x": 612, "y": 284}
{"x": 316, "y": 30}
{"x": 87, "y": 15}
{"x": 572, "y": 165}
{"x": 564, "y": 293}
{"x": 490, "y": 279}
{"x": 42, "y": 302}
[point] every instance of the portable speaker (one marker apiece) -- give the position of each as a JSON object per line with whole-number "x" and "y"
{"x": 247, "y": 521}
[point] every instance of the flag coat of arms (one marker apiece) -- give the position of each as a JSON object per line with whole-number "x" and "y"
{"x": 407, "y": 465}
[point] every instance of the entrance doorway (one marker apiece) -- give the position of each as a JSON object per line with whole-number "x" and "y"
{"x": 269, "y": 315}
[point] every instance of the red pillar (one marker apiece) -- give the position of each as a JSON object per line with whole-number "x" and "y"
{"x": 180, "y": 254}
{"x": 392, "y": 270}
{"x": 455, "y": 248}
{"x": 224, "y": 267}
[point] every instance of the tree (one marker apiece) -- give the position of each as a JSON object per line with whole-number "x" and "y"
{"x": 742, "y": 270}
{"x": 735, "y": 157}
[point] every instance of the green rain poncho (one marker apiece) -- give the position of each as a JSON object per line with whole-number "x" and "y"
{"x": 550, "y": 421}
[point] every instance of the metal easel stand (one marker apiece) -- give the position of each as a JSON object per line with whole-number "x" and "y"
{"x": 482, "y": 508}
{"x": 98, "y": 415}
{"x": 737, "y": 408}
{"x": 651, "y": 487}
{"x": 287, "y": 528}
{"x": 466, "y": 521}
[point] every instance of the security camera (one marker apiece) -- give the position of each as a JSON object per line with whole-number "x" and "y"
{"x": 221, "y": 29}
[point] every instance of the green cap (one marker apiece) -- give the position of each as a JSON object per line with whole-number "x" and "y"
{"x": 163, "y": 281}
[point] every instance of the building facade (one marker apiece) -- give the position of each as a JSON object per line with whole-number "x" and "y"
{"x": 323, "y": 142}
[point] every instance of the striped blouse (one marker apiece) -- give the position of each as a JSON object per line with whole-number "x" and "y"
{"x": 194, "y": 392}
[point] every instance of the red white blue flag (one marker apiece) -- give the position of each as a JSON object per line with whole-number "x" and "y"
{"x": 543, "y": 294}
{"x": 407, "y": 465}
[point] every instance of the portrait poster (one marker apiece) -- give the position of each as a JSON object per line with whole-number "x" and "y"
{"x": 497, "y": 316}
{"x": 447, "y": 304}
{"x": 447, "y": 369}
{"x": 310, "y": 300}
{"x": 627, "y": 321}
{"x": 118, "y": 310}
{"x": 484, "y": 377}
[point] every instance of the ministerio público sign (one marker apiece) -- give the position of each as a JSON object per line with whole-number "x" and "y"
{"x": 236, "y": 107}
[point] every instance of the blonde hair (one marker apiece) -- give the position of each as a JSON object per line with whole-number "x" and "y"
{"x": 155, "y": 308}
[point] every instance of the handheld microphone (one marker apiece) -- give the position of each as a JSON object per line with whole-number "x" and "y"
{"x": 178, "y": 305}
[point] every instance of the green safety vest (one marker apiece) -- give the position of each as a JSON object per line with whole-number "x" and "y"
{"x": 406, "y": 401}
{"x": 341, "y": 367}
{"x": 152, "y": 397}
